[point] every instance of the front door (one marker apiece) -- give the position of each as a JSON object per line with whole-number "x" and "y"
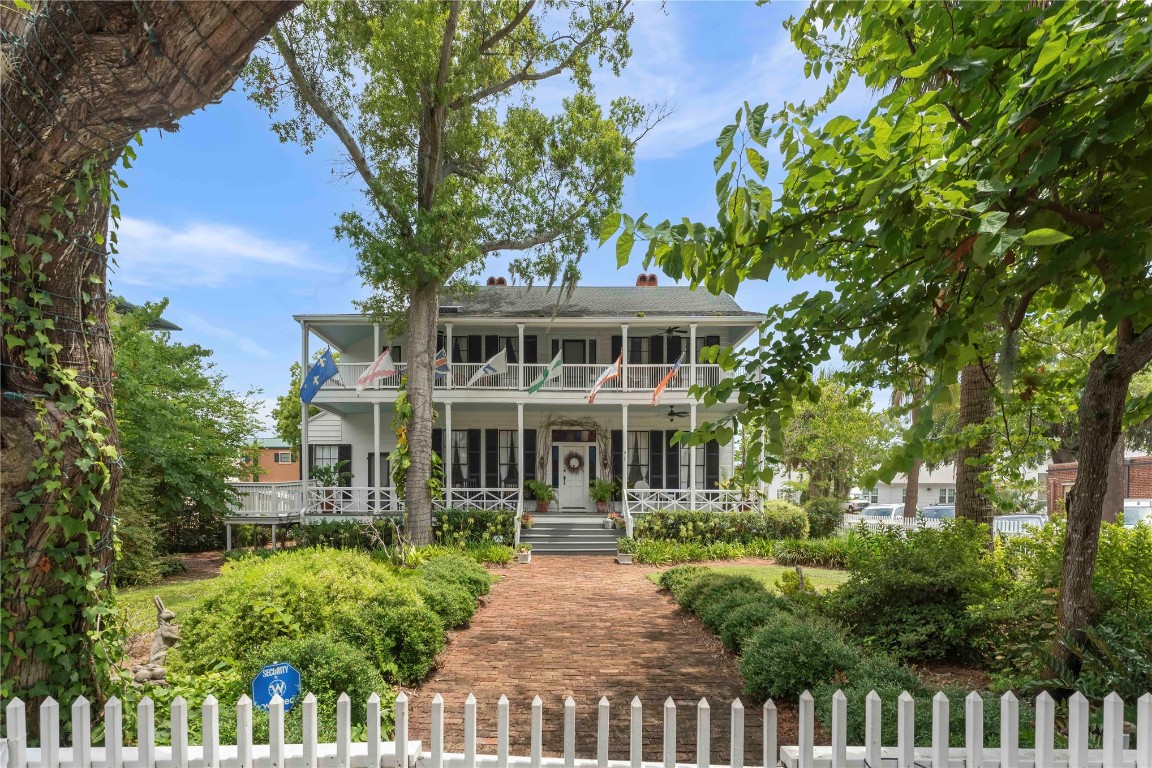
{"x": 573, "y": 478}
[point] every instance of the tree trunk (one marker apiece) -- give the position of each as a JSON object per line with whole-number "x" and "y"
{"x": 975, "y": 410}
{"x": 912, "y": 490}
{"x": 424, "y": 305}
{"x": 1101, "y": 413}
{"x": 81, "y": 79}
{"x": 1117, "y": 477}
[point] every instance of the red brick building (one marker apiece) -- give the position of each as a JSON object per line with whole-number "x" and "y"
{"x": 276, "y": 461}
{"x": 1137, "y": 481}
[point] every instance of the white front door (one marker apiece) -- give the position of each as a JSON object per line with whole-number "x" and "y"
{"x": 573, "y": 482}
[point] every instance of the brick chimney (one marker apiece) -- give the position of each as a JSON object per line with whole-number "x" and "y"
{"x": 646, "y": 280}
{"x": 497, "y": 281}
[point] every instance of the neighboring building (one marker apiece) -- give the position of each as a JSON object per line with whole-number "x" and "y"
{"x": 494, "y": 435}
{"x": 276, "y": 460}
{"x": 1137, "y": 481}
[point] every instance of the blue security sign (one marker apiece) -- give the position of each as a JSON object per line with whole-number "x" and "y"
{"x": 276, "y": 679}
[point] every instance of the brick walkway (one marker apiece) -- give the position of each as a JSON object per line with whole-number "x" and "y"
{"x": 586, "y": 627}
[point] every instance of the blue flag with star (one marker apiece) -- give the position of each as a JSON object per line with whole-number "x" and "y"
{"x": 322, "y": 370}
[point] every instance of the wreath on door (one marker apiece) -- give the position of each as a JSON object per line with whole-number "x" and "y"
{"x": 574, "y": 461}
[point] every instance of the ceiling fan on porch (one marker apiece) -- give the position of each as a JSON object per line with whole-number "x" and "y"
{"x": 674, "y": 330}
{"x": 674, "y": 414}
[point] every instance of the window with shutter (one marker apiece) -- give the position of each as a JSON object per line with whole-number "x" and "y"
{"x": 473, "y": 475}
{"x": 656, "y": 460}
{"x": 491, "y": 458}
{"x": 529, "y": 462}
{"x": 530, "y": 350}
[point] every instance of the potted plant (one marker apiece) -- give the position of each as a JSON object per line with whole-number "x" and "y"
{"x": 526, "y": 520}
{"x": 625, "y": 548}
{"x": 325, "y": 478}
{"x": 602, "y": 492}
{"x": 524, "y": 553}
{"x": 615, "y": 520}
{"x": 543, "y": 493}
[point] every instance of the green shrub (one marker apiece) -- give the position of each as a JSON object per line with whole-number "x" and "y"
{"x": 676, "y": 579}
{"x": 833, "y": 552}
{"x": 451, "y": 602}
{"x": 910, "y": 592}
{"x": 658, "y": 552}
{"x": 486, "y": 553}
{"x": 779, "y": 520}
{"x": 458, "y": 569}
{"x": 889, "y": 679}
{"x": 716, "y": 611}
{"x": 706, "y": 590}
{"x": 744, "y": 620}
{"x": 458, "y": 526}
{"x": 790, "y": 654}
{"x": 824, "y": 516}
{"x": 348, "y": 534}
{"x": 1115, "y": 655}
{"x": 402, "y": 637}
{"x": 327, "y": 667}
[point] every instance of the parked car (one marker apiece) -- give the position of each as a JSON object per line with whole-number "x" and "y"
{"x": 1010, "y": 524}
{"x": 855, "y": 505}
{"x": 1137, "y": 511}
{"x": 879, "y": 514}
{"x": 939, "y": 511}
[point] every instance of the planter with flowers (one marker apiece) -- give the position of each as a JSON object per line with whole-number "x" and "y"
{"x": 625, "y": 548}
{"x": 524, "y": 553}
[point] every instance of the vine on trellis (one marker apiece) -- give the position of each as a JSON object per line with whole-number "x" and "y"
{"x": 401, "y": 458}
{"x": 73, "y": 548}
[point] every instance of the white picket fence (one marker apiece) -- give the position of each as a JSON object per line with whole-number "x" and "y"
{"x": 373, "y": 752}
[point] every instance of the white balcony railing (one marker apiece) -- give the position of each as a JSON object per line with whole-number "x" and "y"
{"x": 268, "y": 499}
{"x": 639, "y": 502}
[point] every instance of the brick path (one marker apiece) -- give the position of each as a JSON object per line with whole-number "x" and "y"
{"x": 586, "y": 627}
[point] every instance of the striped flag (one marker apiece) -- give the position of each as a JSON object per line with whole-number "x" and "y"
{"x": 441, "y": 364}
{"x": 551, "y": 372}
{"x": 611, "y": 372}
{"x": 667, "y": 378}
{"x": 378, "y": 370}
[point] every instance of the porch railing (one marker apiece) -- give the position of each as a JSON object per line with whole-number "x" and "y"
{"x": 641, "y": 501}
{"x": 495, "y": 499}
{"x": 268, "y": 499}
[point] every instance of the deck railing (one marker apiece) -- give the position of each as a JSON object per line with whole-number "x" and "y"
{"x": 1115, "y": 751}
{"x": 641, "y": 501}
{"x": 268, "y": 499}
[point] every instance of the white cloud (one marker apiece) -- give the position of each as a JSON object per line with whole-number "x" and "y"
{"x": 193, "y": 322}
{"x": 208, "y": 254}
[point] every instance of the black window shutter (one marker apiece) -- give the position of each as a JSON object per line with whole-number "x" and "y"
{"x": 634, "y": 351}
{"x": 617, "y": 341}
{"x": 618, "y": 456}
{"x": 491, "y": 458}
{"x": 656, "y": 349}
{"x": 438, "y": 442}
{"x": 474, "y": 456}
{"x": 675, "y": 349}
{"x": 592, "y": 351}
{"x": 397, "y": 354}
{"x": 474, "y": 351}
{"x": 655, "y": 459}
{"x": 491, "y": 346}
{"x": 512, "y": 350}
{"x": 530, "y": 350}
{"x": 344, "y": 462}
{"x": 555, "y": 348}
{"x": 439, "y": 341}
{"x": 711, "y": 465}
{"x": 311, "y": 461}
{"x": 529, "y": 461}
{"x": 671, "y": 462}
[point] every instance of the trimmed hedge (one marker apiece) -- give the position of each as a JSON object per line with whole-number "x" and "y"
{"x": 459, "y": 570}
{"x": 779, "y": 520}
{"x": 654, "y": 552}
{"x": 790, "y": 654}
{"x": 457, "y": 527}
{"x": 834, "y": 552}
{"x": 675, "y": 580}
{"x": 453, "y": 603}
{"x": 743, "y": 621}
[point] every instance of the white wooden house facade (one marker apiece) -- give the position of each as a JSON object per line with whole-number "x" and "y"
{"x": 494, "y": 435}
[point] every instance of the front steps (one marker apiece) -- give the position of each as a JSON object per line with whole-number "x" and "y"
{"x": 570, "y": 535}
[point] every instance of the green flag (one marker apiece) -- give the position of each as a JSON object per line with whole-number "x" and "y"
{"x": 549, "y": 373}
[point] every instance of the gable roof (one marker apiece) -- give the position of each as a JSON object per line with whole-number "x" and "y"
{"x": 272, "y": 442}
{"x": 591, "y": 301}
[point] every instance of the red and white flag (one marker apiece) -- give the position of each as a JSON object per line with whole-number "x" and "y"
{"x": 611, "y": 372}
{"x": 664, "y": 381}
{"x": 379, "y": 369}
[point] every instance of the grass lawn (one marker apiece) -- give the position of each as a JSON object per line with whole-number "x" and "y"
{"x": 821, "y": 578}
{"x": 136, "y": 602}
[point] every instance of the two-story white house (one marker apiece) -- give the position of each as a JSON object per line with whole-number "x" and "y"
{"x": 494, "y": 435}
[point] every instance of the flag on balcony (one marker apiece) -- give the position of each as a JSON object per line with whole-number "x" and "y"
{"x": 322, "y": 370}
{"x": 498, "y": 364}
{"x": 667, "y": 378}
{"x": 378, "y": 370}
{"x": 611, "y": 372}
{"x": 551, "y": 372}
{"x": 440, "y": 364}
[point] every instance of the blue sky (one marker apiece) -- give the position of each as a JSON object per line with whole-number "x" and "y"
{"x": 235, "y": 228}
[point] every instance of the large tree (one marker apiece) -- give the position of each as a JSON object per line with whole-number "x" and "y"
{"x": 431, "y": 103}
{"x": 1004, "y": 168}
{"x": 80, "y": 80}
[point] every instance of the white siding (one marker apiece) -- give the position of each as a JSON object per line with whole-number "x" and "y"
{"x": 325, "y": 428}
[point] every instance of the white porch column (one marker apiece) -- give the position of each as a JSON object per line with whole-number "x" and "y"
{"x": 375, "y": 347}
{"x": 304, "y": 414}
{"x": 520, "y": 449}
{"x": 520, "y": 357}
{"x": 692, "y": 456}
{"x": 447, "y": 353}
{"x": 692, "y": 357}
{"x": 449, "y": 453}
{"x": 379, "y": 481}
{"x": 623, "y": 357}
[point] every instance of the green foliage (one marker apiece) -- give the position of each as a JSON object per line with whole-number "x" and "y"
{"x": 460, "y": 526}
{"x": 790, "y": 654}
{"x": 347, "y": 534}
{"x": 910, "y": 591}
{"x": 626, "y": 545}
{"x": 779, "y": 520}
{"x": 491, "y": 554}
{"x": 833, "y": 552}
{"x": 459, "y": 570}
{"x": 675, "y": 580}
{"x": 1115, "y": 655}
{"x": 452, "y": 602}
{"x": 328, "y": 667}
{"x": 746, "y": 619}
{"x": 710, "y": 586}
{"x": 824, "y": 516}
{"x": 540, "y": 490}
{"x": 656, "y": 552}
{"x": 397, "y": 632}
{"x": 603, "y": 490}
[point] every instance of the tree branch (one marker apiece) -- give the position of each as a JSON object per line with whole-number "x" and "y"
{"x": 507, "y": 29}
{"x": 525, "y": 243}
{"x": 1133, "y": 356}
{"x": 329, "y": 117}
